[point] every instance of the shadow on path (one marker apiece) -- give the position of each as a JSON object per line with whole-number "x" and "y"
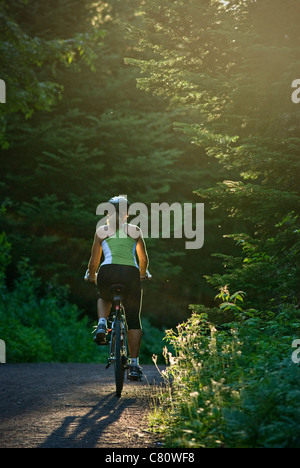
{"x": 87, "y": 430}
{"x": 72, "y": 406}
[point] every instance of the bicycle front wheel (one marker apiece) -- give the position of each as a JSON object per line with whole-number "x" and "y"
{"x": 118, "y": 362}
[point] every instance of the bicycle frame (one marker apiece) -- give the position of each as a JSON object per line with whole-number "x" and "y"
{"x": 118, "y": 354}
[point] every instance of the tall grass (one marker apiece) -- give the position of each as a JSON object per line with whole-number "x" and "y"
{"x": 233, "y": 385}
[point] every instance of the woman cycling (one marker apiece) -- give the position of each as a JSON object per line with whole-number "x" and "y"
{"x": 120, "y": 243}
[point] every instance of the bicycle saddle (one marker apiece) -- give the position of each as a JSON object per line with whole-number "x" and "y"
{"x": 117, "y": 290}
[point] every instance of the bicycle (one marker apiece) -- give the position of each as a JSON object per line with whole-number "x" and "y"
{"x": 118, "y": 348}
{"x": 118, "y": 345}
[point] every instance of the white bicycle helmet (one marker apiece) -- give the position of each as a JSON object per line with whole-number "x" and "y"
{"x": 120, "y": 199}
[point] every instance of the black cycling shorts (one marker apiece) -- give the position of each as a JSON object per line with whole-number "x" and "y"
{"x": 129, "y": 276}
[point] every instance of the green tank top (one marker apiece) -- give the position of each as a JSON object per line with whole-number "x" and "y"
{"x": 119, "y": 250}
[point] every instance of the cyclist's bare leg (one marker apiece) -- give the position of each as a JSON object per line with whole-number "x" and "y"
{"x": 103, "y": 308}
{"x": 134, "y": 342}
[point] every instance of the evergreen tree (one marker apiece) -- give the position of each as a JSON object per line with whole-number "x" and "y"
{"x": 229, "y": 66}
{"x": 31, "y": 60}
{"x": 99, "y": 137}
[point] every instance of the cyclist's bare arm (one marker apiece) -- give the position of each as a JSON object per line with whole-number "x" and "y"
{"x": 95, "y": 258}
{"x": 142, "y": 256}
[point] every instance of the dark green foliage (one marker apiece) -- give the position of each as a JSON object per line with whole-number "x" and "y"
{"x": 32, "y": 59}
{"x": 38, "y": 323}
{"x": 100, "y": 136}
{"x": 270, "y": 412}
{"x": 216, "y": 125}
{"x": 232, "y": 386}
{"x": 228, "y": 70}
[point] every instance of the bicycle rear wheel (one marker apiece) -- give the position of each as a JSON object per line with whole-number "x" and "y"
{"x": 118, "y": 362}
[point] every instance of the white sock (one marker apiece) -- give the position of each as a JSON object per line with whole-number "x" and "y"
{"x": 135, "y": 361}
{"x": 102, "y": 321}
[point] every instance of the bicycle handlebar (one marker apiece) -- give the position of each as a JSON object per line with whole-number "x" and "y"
{"x": 87, "y": 276}
{"x": 148, "y": 275}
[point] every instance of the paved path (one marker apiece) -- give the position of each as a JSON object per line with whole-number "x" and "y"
{"x": 73, "y": 406}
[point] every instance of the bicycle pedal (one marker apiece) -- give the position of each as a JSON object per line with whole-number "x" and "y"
{"x": 135, "y": 378}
